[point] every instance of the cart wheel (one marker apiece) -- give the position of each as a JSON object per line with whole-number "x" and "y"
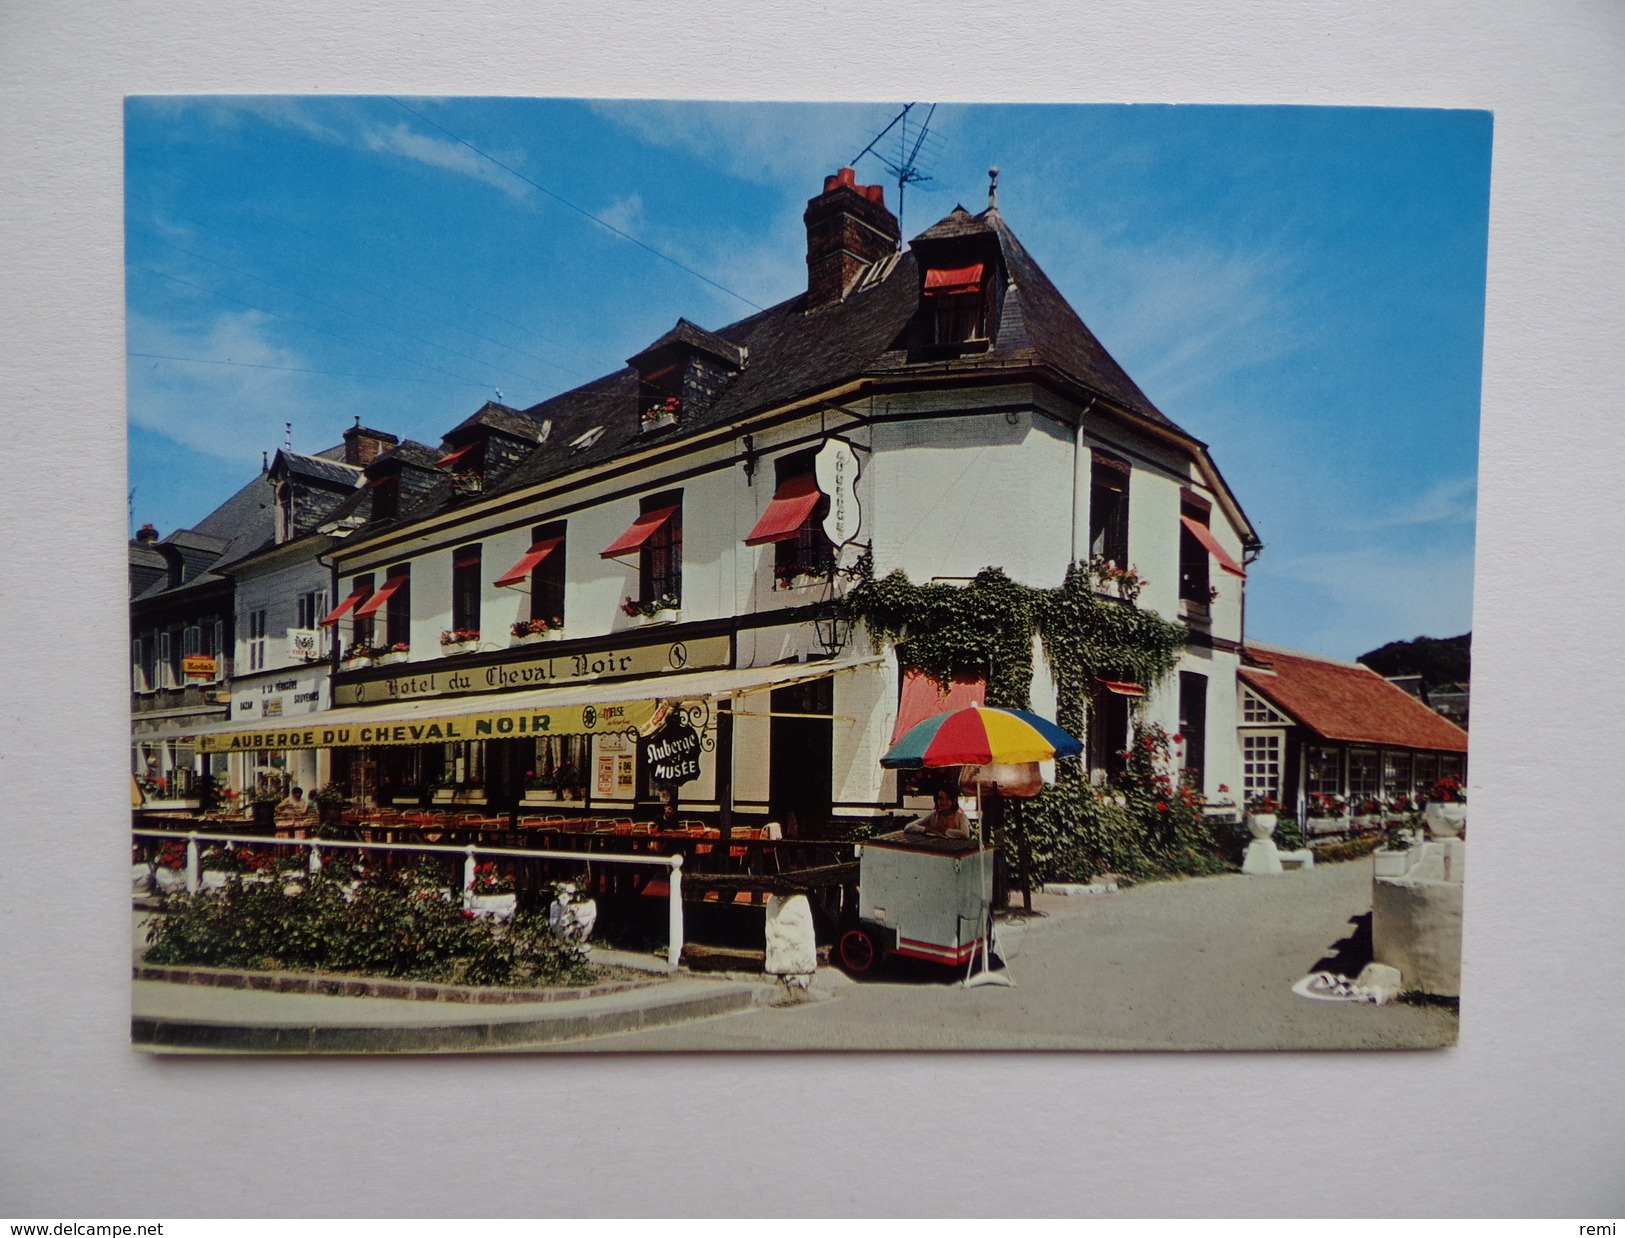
{"x": 857, "y": 951}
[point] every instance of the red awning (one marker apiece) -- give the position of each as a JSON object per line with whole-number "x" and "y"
{"x": 1204, "y": 535}
{"x": 388, "y": 590}
{"x": 1122, "y": 689}
{"x": 457, "y": 457}
{"x": 923, "y": 698}
{"x": 960, "y": 279}
{"x": 792, "y": 503}
{"x": 344, "y": 607}
{"x": 643, "y": 528}
{"x": 520, "y": 572}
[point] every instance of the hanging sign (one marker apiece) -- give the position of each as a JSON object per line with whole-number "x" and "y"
{"x": 836, "y": 468}
{"x": 673, "y": 753}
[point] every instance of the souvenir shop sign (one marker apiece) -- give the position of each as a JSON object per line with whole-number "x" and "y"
{"x": 540, "y": 671}
{"x": 673, "y": 753}
{"x": 493, "y": 724}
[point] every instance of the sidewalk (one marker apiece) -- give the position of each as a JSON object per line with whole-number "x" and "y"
{"x": 175, "y": 1017}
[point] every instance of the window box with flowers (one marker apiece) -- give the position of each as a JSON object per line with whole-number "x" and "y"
{"x": 169, "y": 869}
{"x": 459, "y": 640}
{"x": 1109, "y": 580}
{"x": 491, "y": 895}
{"x": 400, "y": 651}
{"x": 1327, "y": 813}
{"x": 1369, "y": 812}
{"x": 663, "y": 609}
{"x": 1446, "y": 810}
{"x": 660, "y": 413}
{"x": 801, "y": 575}
{"x": 360, "y": 655}
{"x": 535, "y": 631}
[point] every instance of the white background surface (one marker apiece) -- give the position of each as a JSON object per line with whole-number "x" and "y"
{"x": 1525, "y": 1117}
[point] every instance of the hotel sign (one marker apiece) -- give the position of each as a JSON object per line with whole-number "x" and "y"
{"x": 488, "y": 724}
{"x": 540, "y": 671}
{"x": 836, "y": 468}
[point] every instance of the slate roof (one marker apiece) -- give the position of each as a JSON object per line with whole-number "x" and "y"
{"x": 497, "y": 417}
{"x": 686, "y": 332}
{"x": 321, "y": 468}
{"x": 794, "y": 354}
{"x": 1348, "y": 702}
{"x": 240, "y": 525}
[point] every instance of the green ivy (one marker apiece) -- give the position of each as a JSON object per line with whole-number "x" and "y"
{"x": 987, "y": 628}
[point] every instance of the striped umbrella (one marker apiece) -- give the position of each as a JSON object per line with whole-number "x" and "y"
{"x": 980, "y": 735}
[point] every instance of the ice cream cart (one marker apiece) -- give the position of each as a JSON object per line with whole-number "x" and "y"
{"x": 920, "y": 896}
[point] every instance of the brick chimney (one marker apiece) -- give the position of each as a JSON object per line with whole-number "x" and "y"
{"x": 146, "y": 533}
{"x": 848, "y": 230}
{"x": 362, "y": 446}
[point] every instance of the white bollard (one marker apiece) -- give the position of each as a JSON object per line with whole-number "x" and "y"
{"x": 193, "y": 877}
{"x": 674, "y": 926}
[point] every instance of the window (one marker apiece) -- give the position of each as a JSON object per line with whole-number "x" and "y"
{"x": 1261, "y": 765}
{"x": 1396, "y": 775}
{"x": 1363, "y": 773}
{"x": 1193, "y": 722}
{"x": 547, "y": 577}
{"x": 149, "y": 663}
{"x": 386, "y": 497}
{"x": 1324, "y": 771}
{"x": 312, "y": 606}
{"x": 957, "y": 303}
{"x": 1255, "y": 710}
{"x": 138, "y": 669}
{"x": 361, "y": 630}
{"x": 398, "y": 609}
{"x": 1108, "y": 509}
{"x": 284, "y": 513}
{"x": 1450, "y": 766}
{"x": 1195, "y": 583}
{"x": 256, "y": 640}
{"x": 465, "y": 589}
{"x": 660, "y": 560}
{"x": 794, "y": 521}
{"x": 171, "y": 652}
{"x": 660, "y": 397}
{"x": 1107, "y": 733}
{"x": 216, "y": 647}
{"x": 1427, "y": 771}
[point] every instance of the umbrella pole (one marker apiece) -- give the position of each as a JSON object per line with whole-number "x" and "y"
{"x": 986, "y": 975}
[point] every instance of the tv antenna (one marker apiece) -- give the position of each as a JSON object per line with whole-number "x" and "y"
{"x": 913, "y": 141}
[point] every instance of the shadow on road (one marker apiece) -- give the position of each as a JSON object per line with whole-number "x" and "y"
{"x": 1350, "y": 955}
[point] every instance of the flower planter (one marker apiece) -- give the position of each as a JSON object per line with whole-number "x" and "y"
{"x": 140, "y": 880}
{"x": 355, "y": 664}
{"x": 169, "y": 880}
{"x": 214, "y": 879}
{"x": 459, "y": 646}
{"x": 394, "y": 656}
{"x": 1445, "y": 820}
{"x": 659, "y": 421}
{"x": 660, "y": 616}
{"x": 1387, "y": 863}
{"x": 573, "y": 919}
{"x": 1261, "y": 824}
{"x": 493, "y": 906}
{"x": 537, "y": 638}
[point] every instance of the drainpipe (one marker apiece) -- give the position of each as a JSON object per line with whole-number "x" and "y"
{"x": 1077, "y": 473}
{"x": 1249, "y": 556}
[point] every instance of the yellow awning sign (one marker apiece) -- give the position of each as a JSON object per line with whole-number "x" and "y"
{"x": 491, "y": 724}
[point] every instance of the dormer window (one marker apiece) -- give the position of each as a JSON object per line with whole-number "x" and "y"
{"x": 956, "y": 302}
{"x": 466, "y": 465}
{"x": 660, "y": 398}
{"x": 386, "y": 496}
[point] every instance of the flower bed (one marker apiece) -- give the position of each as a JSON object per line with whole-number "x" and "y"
{"x": 403, "y": 925}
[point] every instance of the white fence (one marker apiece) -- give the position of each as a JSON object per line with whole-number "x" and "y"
{"x": 673, "y": 863}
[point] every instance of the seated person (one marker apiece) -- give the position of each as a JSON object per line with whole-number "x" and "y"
{"x": 294, "y": 805}
{"x": 945, "y": 822}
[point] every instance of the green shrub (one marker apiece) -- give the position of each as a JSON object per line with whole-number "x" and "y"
{"x": 1353, "y": 849}
{"x": 406, "y": 926}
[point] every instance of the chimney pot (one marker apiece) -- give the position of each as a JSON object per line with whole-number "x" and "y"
{"x": 147, "y": 533}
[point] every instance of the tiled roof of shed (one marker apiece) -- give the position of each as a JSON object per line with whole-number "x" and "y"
{"x": 1348, "y": 702}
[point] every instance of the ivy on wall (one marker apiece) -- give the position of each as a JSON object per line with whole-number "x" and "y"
{"x": 1090, "y": 628}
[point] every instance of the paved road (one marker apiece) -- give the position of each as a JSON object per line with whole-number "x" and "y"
{"x": 1203, "y": 964}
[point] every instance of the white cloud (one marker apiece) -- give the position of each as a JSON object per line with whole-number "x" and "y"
{"x": 762, "y": 143}
{"x": 237, "y": 378}
{"x": 1347, "y": 602}
{"x": 449, "y": 156}
{"x": 1445, "y": 502}
{"x": 625, "y": 213}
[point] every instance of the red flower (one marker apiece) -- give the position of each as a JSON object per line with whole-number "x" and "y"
{"x": 1161, "y": 807}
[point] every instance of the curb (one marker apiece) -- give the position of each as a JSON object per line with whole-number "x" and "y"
{"x": 627, "y": 1011}
{"x": 330, "y": 985}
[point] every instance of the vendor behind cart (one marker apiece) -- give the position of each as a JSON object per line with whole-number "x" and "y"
{"x": 946, "y": 821}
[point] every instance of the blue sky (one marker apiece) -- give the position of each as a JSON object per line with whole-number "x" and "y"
{"x": 1302, "y": 288}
